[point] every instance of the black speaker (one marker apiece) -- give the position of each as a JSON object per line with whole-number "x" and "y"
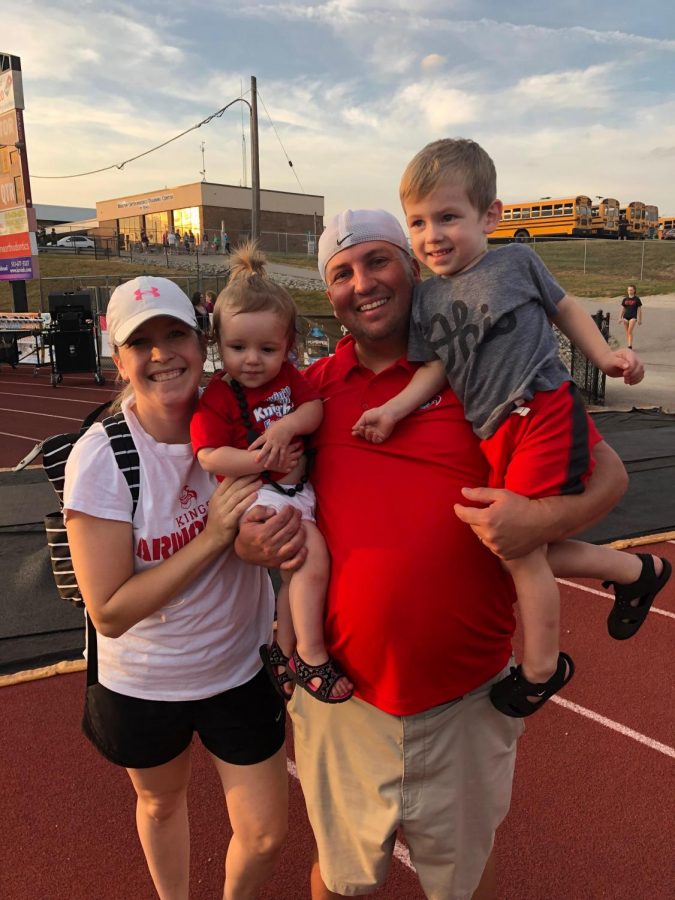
{"x": 74, "y": 351}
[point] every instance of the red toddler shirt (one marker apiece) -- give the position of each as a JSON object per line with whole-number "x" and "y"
{"x": 217, "y": 421}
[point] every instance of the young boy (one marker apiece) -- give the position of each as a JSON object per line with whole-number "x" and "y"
{"x": 484, "y": 325}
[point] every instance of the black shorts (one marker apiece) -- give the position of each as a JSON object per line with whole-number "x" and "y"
{"x": 242, "y": 726}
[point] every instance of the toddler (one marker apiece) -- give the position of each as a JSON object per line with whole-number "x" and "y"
{"x": 248, "y": 421}
{"x": 483, "y": 324}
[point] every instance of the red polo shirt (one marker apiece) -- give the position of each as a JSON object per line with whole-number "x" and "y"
{"x": 418, "y": 611}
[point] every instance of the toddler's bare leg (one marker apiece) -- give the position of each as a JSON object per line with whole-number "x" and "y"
{"x": 285, "y": 633}
{"x": 539, "y": 602}
{"x": 307, "y": 593}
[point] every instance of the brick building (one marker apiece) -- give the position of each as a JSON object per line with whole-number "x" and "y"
{"x": 288, "y": 222}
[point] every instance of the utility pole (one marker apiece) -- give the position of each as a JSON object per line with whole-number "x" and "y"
{"x": 203, "y": 169}
{"x": 255, "y": 163}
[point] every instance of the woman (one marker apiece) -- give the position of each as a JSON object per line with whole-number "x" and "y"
{"x": 201, "y": 310}
{"x": 631, "y": 312}
{"x": 179, "y": 618}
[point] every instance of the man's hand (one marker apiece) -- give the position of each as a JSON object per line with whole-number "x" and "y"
{"x": 272, "y": 539}
{"x": 508, "y": 524}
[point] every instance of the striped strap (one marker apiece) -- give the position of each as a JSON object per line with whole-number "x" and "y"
{"x": 125, "y": 452}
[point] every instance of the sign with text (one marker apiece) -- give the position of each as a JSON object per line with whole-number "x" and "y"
{"x": 11, "y": 82}
{"x": 18, "y": 269}
{"x": 15, "y": 245}
{"x": 13, "y": 221}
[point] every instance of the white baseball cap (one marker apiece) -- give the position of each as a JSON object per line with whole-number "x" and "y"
{"x": 143, "y": 298}
{"x": 356, "y": 226}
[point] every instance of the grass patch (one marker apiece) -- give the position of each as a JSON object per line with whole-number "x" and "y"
{"x": 590, "y": 268}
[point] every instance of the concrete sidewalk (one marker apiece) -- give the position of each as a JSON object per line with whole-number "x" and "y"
{"x": 654, "y": 341}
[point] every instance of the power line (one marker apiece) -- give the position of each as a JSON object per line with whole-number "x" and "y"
{"x": 280, "y": 143}
{"x": 152, "y": 149}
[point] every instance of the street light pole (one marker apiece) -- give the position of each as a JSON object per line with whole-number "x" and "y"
{"x": 255, "y": 163}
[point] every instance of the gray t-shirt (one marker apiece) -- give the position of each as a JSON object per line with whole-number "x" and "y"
{"x": 489, "y": 325}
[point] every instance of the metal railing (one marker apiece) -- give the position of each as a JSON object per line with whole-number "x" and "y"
{"x": 588, "y": 378}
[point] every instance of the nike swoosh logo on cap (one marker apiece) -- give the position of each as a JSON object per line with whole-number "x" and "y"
{"x": 342, "y": 240}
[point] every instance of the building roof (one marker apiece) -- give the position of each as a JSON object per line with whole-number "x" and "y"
{"x": 63, "y": 213}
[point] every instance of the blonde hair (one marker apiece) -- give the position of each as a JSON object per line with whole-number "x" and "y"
{"x": 250, "y": 290}
{"x": 451, "y": 159}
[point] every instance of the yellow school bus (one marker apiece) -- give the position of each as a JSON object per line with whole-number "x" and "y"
{"x": 605, "y": 222}
{"x": 651, "y": 221}
{"x": 560, "y": 217}
{"x": 632, "y": 221}
{"x": 665, "y": 224}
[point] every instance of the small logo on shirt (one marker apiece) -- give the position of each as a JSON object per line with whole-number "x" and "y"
{"x": 433, "y": 402}
{"x": 186, "y": 497}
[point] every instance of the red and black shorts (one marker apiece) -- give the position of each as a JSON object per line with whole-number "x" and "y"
{"x": 543, "y": 449}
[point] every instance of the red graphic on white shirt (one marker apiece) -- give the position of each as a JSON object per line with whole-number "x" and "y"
{"x": 186, "y": 496}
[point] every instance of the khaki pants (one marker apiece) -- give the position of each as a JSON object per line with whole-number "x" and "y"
{"x": 443, "y": 776}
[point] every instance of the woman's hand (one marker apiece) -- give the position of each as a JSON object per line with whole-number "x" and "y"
{"x": 228, "y": 503}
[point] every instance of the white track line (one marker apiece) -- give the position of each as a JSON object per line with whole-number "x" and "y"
{"x": 43, "y": 397}
{"x": 588, "y": 590}
{"x": 25, "y": 412}
{"x": 400, "y": 852}
{"x": 21, "y": 437}
{"x": 71, "y": 387}
{"x": 616, "y": 726}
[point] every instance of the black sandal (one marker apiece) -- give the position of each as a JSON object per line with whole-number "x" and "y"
{"x": 625, "y": 620}
{"x": 510, "y": 695}
{"x": 274, "y": 656}
{"x": 329, "y": 673}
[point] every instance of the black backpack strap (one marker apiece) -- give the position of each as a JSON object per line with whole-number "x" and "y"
{"x": 126, "y": 457}
{"x": 125, "y": 452}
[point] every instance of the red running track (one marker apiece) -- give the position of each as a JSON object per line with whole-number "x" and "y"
{"x": 592, "y": 812}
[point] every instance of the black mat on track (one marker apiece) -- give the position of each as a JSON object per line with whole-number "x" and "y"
{"x": 36, "y": 628}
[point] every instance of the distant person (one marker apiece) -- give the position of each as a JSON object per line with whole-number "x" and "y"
{"x": 250, "y": 419}
{"x": 145, "y": 242}
{"x": 210, "y": 301}
{"x": 483, "y": 325}
{"x": 179, "y": 618}
{"x": 226, "y": 243}
{"x": 52, "y": 236}
{"x": 171, "y": 241}
{"x": 631, "y": 313}
{"x": 193, "y": 241}
{"x": 205, "y": 243}
{"x": 216, "y": 243}
{"x": 201, "y": 310}
{"x": 186, "y": 241}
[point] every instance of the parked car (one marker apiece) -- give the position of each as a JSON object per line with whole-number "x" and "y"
{"x": 76, "y": 242}
{"x": 669, "y": 235}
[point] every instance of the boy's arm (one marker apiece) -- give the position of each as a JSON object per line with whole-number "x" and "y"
{"x": 275, "y": 441}
{"x": 580, "y": 328}
{"x": 377, "y": 424}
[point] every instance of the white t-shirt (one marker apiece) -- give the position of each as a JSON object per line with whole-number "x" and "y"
{"x": 206, "y": 640}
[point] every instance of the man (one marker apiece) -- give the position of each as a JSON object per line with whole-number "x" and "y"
{"x": 418, "y": 613}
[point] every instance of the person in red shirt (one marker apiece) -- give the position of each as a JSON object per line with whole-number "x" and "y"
{"x": 248, "y": 422}
{"x": 418, "y": 612}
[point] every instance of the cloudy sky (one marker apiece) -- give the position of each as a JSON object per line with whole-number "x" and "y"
{"x": 571, "y": 97}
